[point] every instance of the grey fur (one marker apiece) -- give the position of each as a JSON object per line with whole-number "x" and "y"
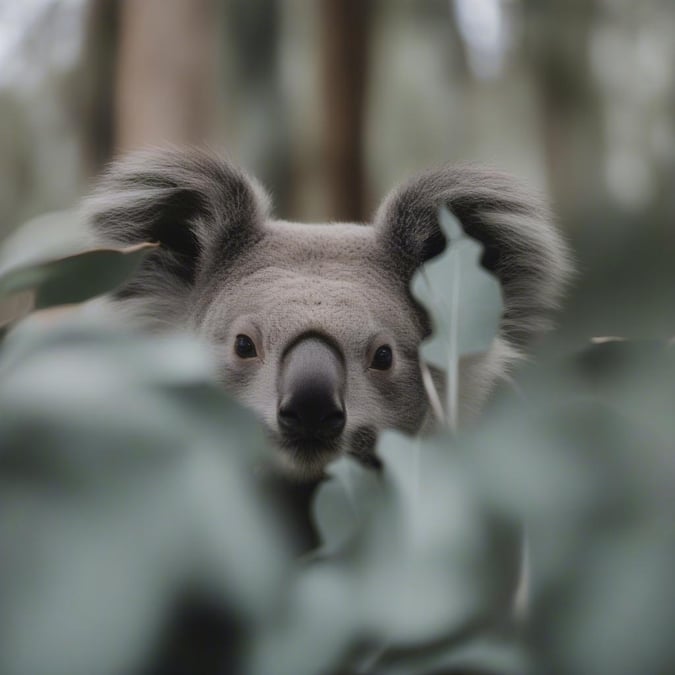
{"x": 521, "y": 246}
{"x": 225, "y": 267}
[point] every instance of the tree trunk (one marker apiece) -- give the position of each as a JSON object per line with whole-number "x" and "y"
{"x": 99, "y": 63}
{"x": 558, "y": 36}
{"x": 345, "y": 31}
{"x": 166, "y": 79}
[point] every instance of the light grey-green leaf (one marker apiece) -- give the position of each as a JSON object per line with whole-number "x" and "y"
{"x": 463, "y": 298}
{"x": 69, "y": 280}
{"x": 125, "y": 483}
{"x": 465, "y": 306}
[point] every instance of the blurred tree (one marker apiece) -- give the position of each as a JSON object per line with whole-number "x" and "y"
{"x": 97, "y": 88}
{"x": 167, "y": 72}
{"x": 609, "y": 194}
{"x": 557, "y": 39}
{"x": 345, "y": 28}
{"x": 254, "y": 96}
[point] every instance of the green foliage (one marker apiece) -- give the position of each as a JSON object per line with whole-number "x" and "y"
{"x": 464, "y": 300}
{"x": 129, "y": 486}
{"x": 67, "y": 280}
{"x": 125, "y": 481}
{"x": 465, "y": 305}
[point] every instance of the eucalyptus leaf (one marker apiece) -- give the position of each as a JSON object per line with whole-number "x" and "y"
{"x": 487, "y": 654}
{"x": 584, "y": 456}
{"x": 126, "y": 485}
{"x": 343, "y": 502}
{"x": 464, "y": 302}
{"x": 409, "y": 558}
{"x": 463, "y": 298}
{"x": 68, "y": 280}
{"x": 448, "y": 562}
{"x": 48, "y": 236}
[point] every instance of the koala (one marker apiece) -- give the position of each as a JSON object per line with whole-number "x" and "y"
{"x": 313, "y": 326}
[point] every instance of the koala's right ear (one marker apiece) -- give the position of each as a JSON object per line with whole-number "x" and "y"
{"x": 522, "y": 247}
{"x": 200, "y": 209}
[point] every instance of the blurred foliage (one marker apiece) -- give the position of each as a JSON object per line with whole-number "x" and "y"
{"x": 135, "y": 536}
{"x": 124, "y": 491}
{"x": 465, "y": 305}
{"x": 576, "y": 97}
{"x": 136, "y": 533}
{"x": 60, "y": 281}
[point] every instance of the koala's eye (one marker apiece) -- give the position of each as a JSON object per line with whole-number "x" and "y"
{"x": 244, "y": 347}
{"x": 382, "y": 358}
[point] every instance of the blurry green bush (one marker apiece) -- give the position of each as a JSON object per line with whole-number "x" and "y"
{"x": 135, "y": 538}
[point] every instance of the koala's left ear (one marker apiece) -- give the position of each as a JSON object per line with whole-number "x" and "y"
{"x": 199, "y": 208}
{"x": 522, "y": 246}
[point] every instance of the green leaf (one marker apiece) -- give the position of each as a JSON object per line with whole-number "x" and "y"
{"x": 343, "y": 502}
{"x": 126, "y": 484}
{"x": 68, "y": 280}
{"x": 465, "y": 305}
{"x": 401, "y": 568}
{"x": 584, "y": 457}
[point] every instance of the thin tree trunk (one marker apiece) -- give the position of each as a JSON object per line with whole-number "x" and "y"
{"x": 99, "y": 65}
{"x": 345, "y": 31}
{"x": 558, "y": 39}
{"x": 167, "y": 72}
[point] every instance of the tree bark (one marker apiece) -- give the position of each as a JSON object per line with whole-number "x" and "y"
{"x": 166, "y": 80}
{"x": 558, "y": 37}
{"x": 99, "y": 63}
{"x": 345, "y": 29}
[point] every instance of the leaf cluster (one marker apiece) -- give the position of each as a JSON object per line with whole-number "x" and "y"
{"x": 135, "y": 536}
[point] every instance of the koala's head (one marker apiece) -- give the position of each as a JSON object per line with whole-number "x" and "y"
{"x": 314, "y": 329}
{"x": 313, "y": 326}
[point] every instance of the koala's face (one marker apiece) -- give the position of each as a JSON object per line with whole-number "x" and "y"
{"x": 313, "y": 326}
{"x": 313, "y": 330}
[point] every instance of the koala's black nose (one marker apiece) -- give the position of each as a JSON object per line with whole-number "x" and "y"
{"x": 311, "y": 390}
{"x": 312, "y": 414}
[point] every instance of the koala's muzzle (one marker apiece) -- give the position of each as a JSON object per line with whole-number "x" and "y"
{"x": 311, "y": 391}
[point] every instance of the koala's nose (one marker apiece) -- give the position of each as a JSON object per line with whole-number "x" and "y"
{"x": 311, "y": 390}
{"x": 312, "y": 413}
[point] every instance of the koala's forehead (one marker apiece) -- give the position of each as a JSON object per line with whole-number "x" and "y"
{"x": 340, "y": 252}
{"x": 340, "y": 246}
{"x": 315, "y": 277}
